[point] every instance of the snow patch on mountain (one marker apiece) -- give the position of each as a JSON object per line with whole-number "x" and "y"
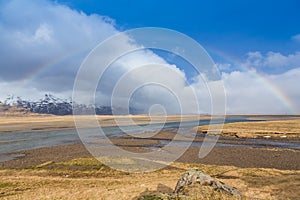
{"x": 50, "y": 104}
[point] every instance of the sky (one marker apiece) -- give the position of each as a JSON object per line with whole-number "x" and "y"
{"x": 255, "y": 45}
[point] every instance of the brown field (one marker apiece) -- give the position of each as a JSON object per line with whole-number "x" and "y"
{"x": 35, "y": 122}
{"x": 86, "y": 178}
{"x": 274, "y": 129}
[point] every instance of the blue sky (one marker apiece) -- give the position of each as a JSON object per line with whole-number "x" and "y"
{"x": 234, "y": 26}
{"x": 255, "y": 44}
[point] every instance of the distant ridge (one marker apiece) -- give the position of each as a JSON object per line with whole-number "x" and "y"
{"x": 57, "y": 106}
{"x": 14, "y": 111}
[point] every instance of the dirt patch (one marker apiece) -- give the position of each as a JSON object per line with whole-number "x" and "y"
{"x": 236, "y": 156}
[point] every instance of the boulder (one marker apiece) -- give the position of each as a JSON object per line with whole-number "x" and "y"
{"x": 197, "y": 183}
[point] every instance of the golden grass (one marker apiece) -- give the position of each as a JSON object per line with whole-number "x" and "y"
{"x": 51, "y": 122}
{"x": 68, "y": 181}
{"x": 274, "y": 129}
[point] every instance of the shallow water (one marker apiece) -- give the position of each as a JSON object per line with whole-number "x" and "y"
{"x": 229, "y": 142}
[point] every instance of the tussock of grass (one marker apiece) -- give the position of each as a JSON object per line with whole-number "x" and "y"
{"x": 84, "y": 162}
{"x": 44, "y": 164}
{"x": 93, "y": 163}
{"x": 117, "y": 160}
{"x": 6, "y": 185}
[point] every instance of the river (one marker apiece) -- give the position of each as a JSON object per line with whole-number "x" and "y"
{"x": 19, "y": 141}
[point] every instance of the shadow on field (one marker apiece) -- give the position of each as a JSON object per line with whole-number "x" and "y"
{"x": 161, "y": 189}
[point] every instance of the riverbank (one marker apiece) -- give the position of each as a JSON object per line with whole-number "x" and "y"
{"x": 52, "y": 122}
{"x": 36, "y": 122}
{"x": 238, "y": 156}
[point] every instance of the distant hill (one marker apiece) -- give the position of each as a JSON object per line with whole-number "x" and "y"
{"x": 7, "y": 110}
{"x": 57, "y": 106}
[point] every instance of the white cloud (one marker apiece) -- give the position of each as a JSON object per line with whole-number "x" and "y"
{"x": 54, "y": 33}
{"x": 249, "y": 92}
{"x": 42, "y": 33}
{"x": 272, "y": 62}
{"x": 27, "y": 91}
{"x": 224, "y": 66}
{"x": 296, "y": 38}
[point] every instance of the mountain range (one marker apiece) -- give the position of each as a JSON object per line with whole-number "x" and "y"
{"x": 57, "y": 106}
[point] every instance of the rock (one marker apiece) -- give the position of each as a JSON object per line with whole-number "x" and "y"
{"x": 195, "y": 184}
{"x": 203, "y": 186}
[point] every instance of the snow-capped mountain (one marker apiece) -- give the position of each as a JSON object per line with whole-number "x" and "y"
{"x": 47, "y": 105}
{"x": 57, "y": 106}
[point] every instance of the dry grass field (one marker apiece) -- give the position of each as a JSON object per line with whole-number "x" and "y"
{"x": 274, "y": 129}
{"x": 35, "y": 122}
{"x": 86, "y": 178}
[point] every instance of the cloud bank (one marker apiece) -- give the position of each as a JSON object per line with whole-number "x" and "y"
{"x": 272, "y": 62}
{"x": 43, "y": 43}
{"x": 43, "y": 34}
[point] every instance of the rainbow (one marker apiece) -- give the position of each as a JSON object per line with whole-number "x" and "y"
{"x": 278, "y": 93}
{"x": 45, "y": 67}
